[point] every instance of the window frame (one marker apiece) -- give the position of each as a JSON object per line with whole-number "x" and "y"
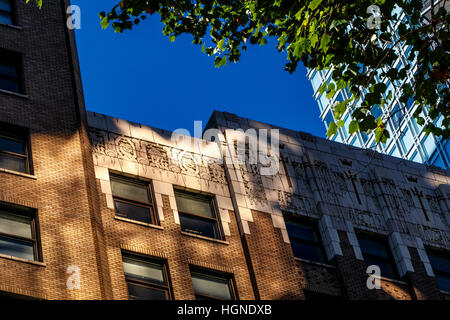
{"x": 167, "y": 288}
{"x": 24, "y": 212}
{"x": 151, "y": 206}
{"x": 441, "y": 254}
{"x": 212, "y": 203}
{"x": 17, "y": 62}
{"x": 22, "y": 135}
{"x": 381, "y": 240}
{"x": 218, "y": 274}
{"x": 313, "y": 224}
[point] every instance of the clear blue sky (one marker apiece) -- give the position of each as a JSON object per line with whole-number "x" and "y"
{"x": 143, "y": 77}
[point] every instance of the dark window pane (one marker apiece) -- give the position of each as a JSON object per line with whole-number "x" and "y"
{"x": 15, "y": 225}
{"x": 302, "y": 232}
{"x": 443, "y": 282}
{"x": 11, "y": 145}
{"x": 211, "y": 286}
{"x": 132, "y": 211}
{"x": 9, "y": 85}
{"x": 439, "y": 263}
{"x": 130, "y": 189}
{"x": 138, "y": 292}
{"x": 8, "y": 71}
{"x": 5, "y": 5}
{"x": 374, "y": 248}
{"x": 5, "y": 18}
{"x": 307, "y": 251}
{"x": 144, "y": 270}
{"x": 16, "y": 248}
{"x": 13, "y": 163}
{"x": 441, "y": 268}
{"x": 196, "y": 225}
{"x": 387, "y": 268}
{"x": 195, "y": 204}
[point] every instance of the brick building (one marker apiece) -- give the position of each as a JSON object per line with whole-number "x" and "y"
{"x": 94, "y": 207}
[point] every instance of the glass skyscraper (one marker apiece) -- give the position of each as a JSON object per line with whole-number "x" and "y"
{"x": 408, "y": 141}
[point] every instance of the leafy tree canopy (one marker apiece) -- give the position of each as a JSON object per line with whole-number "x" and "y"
{"x": 324, "y": 34}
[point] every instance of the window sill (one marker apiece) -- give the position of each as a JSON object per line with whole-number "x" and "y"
{"x": 149, "y": 225}
{"x": 12, "y": 93}
{"x": 12, "y": 26}
{"x": 184, "y": 233}
{"x": 20, "y": 174}
{"x": 32, "y": 262}
{"x": 329, "y": 266}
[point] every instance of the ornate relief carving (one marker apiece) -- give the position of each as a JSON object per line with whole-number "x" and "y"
{"x": 391, "y": 195}
{"x": 373, "y": 154}
{"x": 188, "y": 164}
{"x": 366, "y": 219}
{"x": 217, "y": 173}
{"x": 158, "y": 156}
{"x": 367, "y": 187}
{"x": 306, "y": 137}
{"x": 295, "y": 202}
{"x": 346, "y": 162}
{"x": 433, "y": 203}
{"x": 342, "y": 185}
{"x": 125, "y": 148}
{"x": 254, "y": 187}
{"x": 299, "y": 170}
{"x": 433, "y": 235}
{"x": 408, "y": 198}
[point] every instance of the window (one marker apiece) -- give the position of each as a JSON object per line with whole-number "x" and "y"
{"x": 147, "y": 278}
{"x": 198, "y": 214}
{"x": 133, "y": 199}
{"x": 305, "y": 240}
{"x": 18, "y": 232}
{"x": 440, "y": 262}
{"x": 6, "y": 15}
{"x": 14, "y": 149}
{"x": 212, "y": 286}
{"x": 10, "y": 67}
{"x": 376, "y": 252}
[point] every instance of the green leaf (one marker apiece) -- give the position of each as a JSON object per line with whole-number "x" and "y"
{"x": 324, "y": 43}
{"x": 332, "y": 129}
{"x": 353, "y": 127}
{"x": 380, "y": 87}
{"x": 314, "y": 39}
{"x": 314, "y": 4}
{"x": 301, "y": 47}
{"x": 104, "y": 23}
{"x": 322, "y": 88}
{"x": 219, "y": 62}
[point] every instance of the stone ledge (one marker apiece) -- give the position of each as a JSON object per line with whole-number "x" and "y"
{"x": 12, "y": 26}
{"x": 320, "y": 264}
{"x": 32, "y": 262}
{"x": 23, "y": 96}
{"x": 154, "y": 226}
{"x": 20, "y": 174}
{"x": 204, "y": 238}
